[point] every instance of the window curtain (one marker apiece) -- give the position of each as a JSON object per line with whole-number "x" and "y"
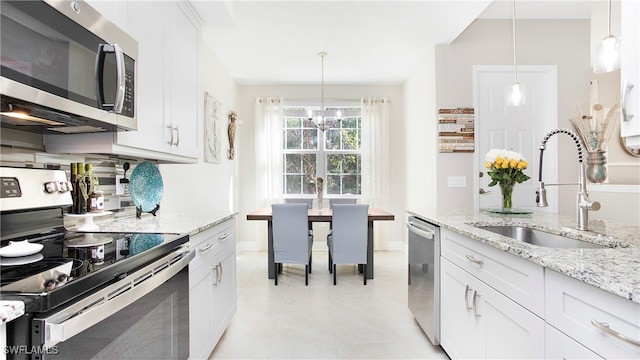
{"x": 269, "y": 156}
{"x": 375, "y": 152}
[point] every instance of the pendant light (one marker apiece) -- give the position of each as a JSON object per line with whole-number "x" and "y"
{"x": 606, "y": 57}
{"x": 321, "y": 118}
{"x": 515, "y": 94}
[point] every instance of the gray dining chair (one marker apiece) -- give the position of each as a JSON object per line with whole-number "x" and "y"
{"x": 309, "y": 203}
{"x": 292, "y": 243}
{"x": 341, "y": 201}
{"x": 347, "y": 241}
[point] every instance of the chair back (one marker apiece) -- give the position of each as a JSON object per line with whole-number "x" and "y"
{"x": 290, "y": 233}
{"x": 309, "y": 202}
{"x": 349, "y": 223}
{"x": 341, "y": 201}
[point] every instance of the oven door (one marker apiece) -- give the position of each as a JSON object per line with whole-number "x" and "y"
{"x": 143, "y": 316}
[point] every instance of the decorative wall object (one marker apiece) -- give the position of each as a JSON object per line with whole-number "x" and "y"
{"x": 456, "y": 130}
{"x": 212, "y": 108}
{"x": 231, "y": 132}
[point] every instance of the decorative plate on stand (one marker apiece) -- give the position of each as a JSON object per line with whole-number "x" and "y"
{"x": 145, "y": 187}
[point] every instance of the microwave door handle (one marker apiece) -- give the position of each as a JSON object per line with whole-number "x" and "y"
{"x": 103, "y": 49}
{"x": 120, "y": 79}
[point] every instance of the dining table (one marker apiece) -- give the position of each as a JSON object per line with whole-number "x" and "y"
{"x": 320, "y": 215}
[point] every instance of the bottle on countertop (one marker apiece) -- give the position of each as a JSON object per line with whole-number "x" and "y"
{"x": 74, "y": 190}
{"x": 81, "y": 202}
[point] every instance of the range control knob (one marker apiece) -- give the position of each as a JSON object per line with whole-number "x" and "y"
{"x": 52, "y": 186}
{"x": 64, "y": 186}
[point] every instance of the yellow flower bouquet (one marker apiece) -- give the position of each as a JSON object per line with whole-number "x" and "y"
{"x": 506, "y": 169}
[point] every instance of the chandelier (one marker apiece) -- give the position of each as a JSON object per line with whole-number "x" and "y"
{"x": 321, "y": 118}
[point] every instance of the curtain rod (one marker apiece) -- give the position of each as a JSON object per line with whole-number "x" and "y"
{"x": 339, "y": 99}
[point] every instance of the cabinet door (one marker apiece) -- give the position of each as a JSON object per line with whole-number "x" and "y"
{"x": 630, "y": 57}
{"x": 223, "y": 294}
{"x": 182, "y": 81}
{"x": 460, "y": 334}
{"x": 480, "y": 322}
{"x": 510, "y": 330}
{"x": 200, "y": 312}
{"x": 146, "y": 24}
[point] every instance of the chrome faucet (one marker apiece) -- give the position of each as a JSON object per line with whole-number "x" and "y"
{"x": 583, "y": 203}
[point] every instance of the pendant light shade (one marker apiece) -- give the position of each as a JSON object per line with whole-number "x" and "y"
{"x": 606, "y": 56}
{"x": 515, "y": 93}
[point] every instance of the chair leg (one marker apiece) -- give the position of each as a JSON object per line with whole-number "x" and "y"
{"x": 330, "y": 263}
{"x": 280, "y": 268}
{"x": 310, "y": 261}
{"x": 334, "y": 274}
{"x": 364, "y": 273}
{"x": 306, "y": 275}
{"x": 276, "y": 277}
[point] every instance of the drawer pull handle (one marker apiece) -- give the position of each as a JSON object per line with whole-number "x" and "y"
{"x": 466, "y": 297}
{"x": 605, "y": 327}
{"x": 474, "y": 260}
{"x": 223, "y": 236}
{"x": 205, "y": 248}
{"x": 475, "y": 305}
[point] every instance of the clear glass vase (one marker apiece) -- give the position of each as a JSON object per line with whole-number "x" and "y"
{"x": 506, "y": 188}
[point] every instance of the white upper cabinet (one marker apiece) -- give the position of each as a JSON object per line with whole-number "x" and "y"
{"x": 166, "y": 88}
{"x": 630, "y": 73}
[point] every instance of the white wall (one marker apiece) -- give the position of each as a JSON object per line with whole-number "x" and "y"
{"x": 195, "y": 187}
{"x": 252, "y": 234}
{"x": 564, "y": 43}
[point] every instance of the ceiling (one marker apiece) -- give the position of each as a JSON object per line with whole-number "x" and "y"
{"x": 367, "y": 41}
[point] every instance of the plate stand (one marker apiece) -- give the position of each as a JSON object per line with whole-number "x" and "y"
{"x": 152, "y": 212}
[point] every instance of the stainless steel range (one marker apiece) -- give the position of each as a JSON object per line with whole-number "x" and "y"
{"x": 87, "y": 295}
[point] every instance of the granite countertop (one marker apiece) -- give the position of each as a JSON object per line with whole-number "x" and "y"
{"x": 168, "y": 221}
{"x": 615, "y": 269}
{"x": 10, "y": 310}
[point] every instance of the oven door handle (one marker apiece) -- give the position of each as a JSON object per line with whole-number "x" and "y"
{"x": 80, "y": 316}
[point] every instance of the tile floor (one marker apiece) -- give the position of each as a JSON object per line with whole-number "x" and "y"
{"x": 323, "y": 321}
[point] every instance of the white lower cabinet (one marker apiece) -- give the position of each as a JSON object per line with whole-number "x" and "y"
{"x": 557, "y": 345}
{"x": 607, "y": 324}
{"x": 479, "y": 322}
{"x": 497, "y": 305}
{"x": 212, "y": 287}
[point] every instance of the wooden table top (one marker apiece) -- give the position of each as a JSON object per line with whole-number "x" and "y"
{"x": 323, "y": 215}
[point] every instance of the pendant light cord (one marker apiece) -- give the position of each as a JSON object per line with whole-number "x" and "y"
{"x": 513, "y": 23}
{"x": 609, "y": 19}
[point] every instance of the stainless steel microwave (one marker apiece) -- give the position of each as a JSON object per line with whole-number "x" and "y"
{"x": 65, "y": 69}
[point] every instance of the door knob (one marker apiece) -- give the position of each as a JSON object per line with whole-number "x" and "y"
{"x": 483, "y": 191}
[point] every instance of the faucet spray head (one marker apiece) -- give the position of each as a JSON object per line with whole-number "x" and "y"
{"x": 541, "y": 196}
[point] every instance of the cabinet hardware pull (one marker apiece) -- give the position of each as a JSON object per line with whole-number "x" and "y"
{"x": 170, "y": 142}
{"x": 474, "y": 260}
{"x": 219, "y": 272}
{"x": 605, "y": 327}
{"x": 214, "y": 281}
{"x": 466, "y": 297}
{"x": 177, "y": 135}
{"x": 475, "y": 305}
{"x": 205, "y": 248}
{"x": 626, "y": 88}
{"x": 223, "y": 236}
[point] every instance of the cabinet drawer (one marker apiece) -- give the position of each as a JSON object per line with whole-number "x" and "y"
{"x": 572, "y": 306}
{"x": 559, "y": 346}
{"x": 209, "y": 242}
{"x": 519, "y": 279}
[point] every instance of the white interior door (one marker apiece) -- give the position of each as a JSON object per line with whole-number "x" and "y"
{"x": 519, "y": 129}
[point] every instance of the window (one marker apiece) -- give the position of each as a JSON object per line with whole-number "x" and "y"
{"x": 333, "y": 155}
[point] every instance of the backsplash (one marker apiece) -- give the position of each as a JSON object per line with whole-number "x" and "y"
{"x": 107, "y": 168}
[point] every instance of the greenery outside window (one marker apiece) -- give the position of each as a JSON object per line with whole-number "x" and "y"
{"x": 334, "y": 155}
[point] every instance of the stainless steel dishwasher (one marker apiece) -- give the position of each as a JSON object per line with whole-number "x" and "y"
{"x": 424, "y": 275}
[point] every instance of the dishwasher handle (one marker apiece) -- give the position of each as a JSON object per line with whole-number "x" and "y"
{"x": 82, "y": 315}
{"x": 420, "y": 230}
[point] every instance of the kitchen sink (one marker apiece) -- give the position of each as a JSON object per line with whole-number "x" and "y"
{"x": 540, "y": 238}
